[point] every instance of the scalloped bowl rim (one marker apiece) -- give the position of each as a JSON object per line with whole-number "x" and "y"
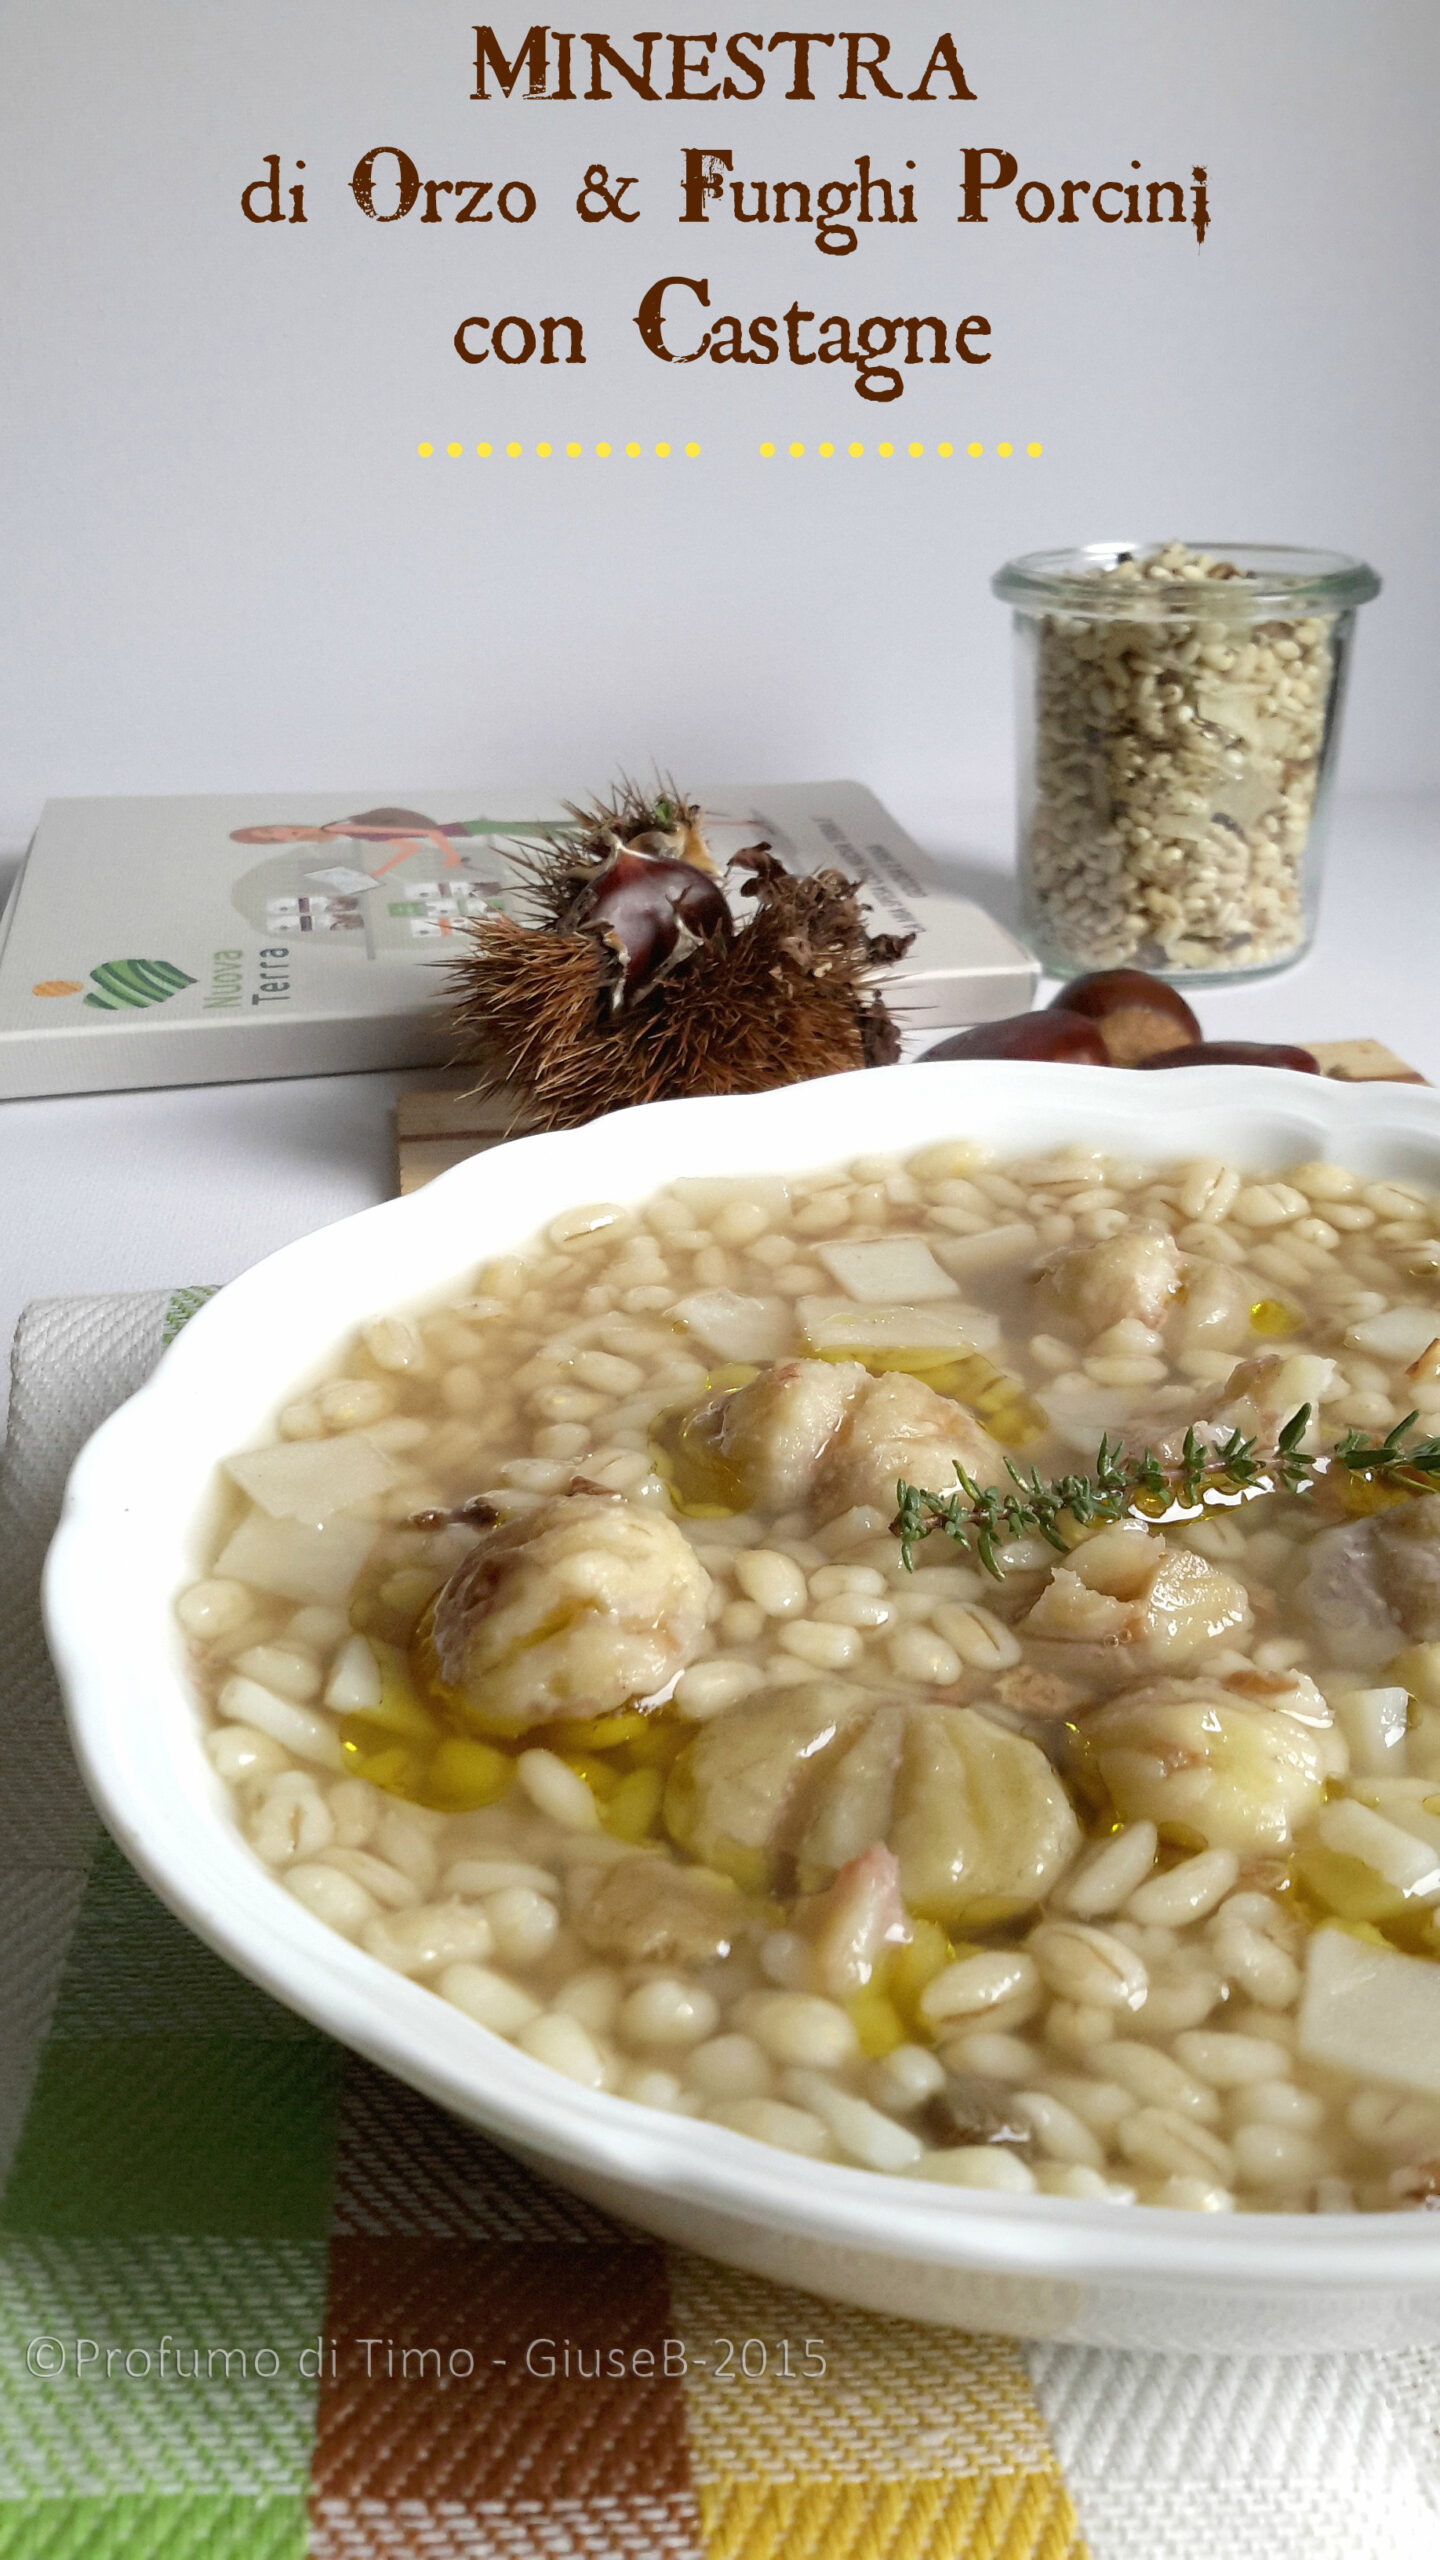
{"x": 132, "y": 1534}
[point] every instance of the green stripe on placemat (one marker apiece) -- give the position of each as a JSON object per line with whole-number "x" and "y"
{"x": 144, "y": 2528}
{"x": 163, "y": 2242}
{"x": 164, "y": 2258}
{"x": 184, "y": 1304}
{"x": 171, "y": 2095}
{"x": 177, "y": 2133}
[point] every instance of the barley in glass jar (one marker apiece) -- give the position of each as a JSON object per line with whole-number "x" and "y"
{"x": 1178, "y": 713}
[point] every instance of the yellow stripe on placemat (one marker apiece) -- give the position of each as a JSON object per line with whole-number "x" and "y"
{"x": 913, "y": 2443}
{"x": 1021, "y": 2516}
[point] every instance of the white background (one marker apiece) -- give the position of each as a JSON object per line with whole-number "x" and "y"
{"x": 225, "y": 567}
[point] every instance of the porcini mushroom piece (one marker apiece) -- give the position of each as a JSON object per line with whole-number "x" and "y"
{"x": 643, "y": 1910}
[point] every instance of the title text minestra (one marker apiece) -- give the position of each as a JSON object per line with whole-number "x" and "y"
{"x": 691, "y": 69}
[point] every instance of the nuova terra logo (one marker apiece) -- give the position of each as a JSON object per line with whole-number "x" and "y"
{"x": 118, "y": 986}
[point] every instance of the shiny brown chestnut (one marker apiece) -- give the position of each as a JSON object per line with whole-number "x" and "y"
{"x": 650, "y": 912}
{"x": 1236, "y": 1053}
{"x": 1064, "y": 1037}
{"x": 1137, "y": 1016}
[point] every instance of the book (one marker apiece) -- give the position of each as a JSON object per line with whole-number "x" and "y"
{"x": 216, "y": 940}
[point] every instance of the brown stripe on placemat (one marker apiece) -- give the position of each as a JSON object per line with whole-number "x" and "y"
{"x": 441, "y": 2437}
{"x": 643, "y": 2529}
{"x": 507, "y": 2397}
{"x": 646, "y": 2530}
{"x": 403, "y": 2166}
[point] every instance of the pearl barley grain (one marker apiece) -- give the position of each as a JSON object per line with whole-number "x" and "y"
{"x": 1188, "y": 2195}
{"x": 823, "y": 1648}
{"x": 1187, "y": 1891}
{"x": 1156, "y": 2079}
{"x": 1272, "y": 2155}
{"x": 977, "y": 1983}
{"x": 557, "y": 1791}
{"x": 770, "y": 2120}
{"x": 854, "y": 1609}
{"x": 1230, "y": 2061}
{"x": 1075, "y": 2027}
{"x": 286, "y": 1668}
{"x": 334, "y": 1898}
{"x": 387, "y": 1886}
{"x": 525, "y": 1923}
{"x": 799, "y": 2027}
{"x": 242, "y": 1754}
{"x": 1087, "y": 1965}
{"x": 903, "y": 2080}
{"x": 977, "y": 2165}
{"x": 739, "y": 1622}
{"x": 209, "y": 1610}
{"x": 981, "y": 1640}
{"x": 668, "y": 2012}
{"x": 303, "y": 1730}
{"x": 708, "y": 1688}
{"x": 1107, "y": 1874}
{"x": 991, "y": 2052}
{"x": 565, "y": 2045}
{"x": 915, "y": 1654}
{"x": 1059, "y": 2133}
{"x": 592, "y": 1997}
{"x": 480, "y": 1876}
{"x": 848, "y": 1581}
{"x": 773, "y": 1581}
{"x": 292, "y": 1820}
{"x": 1173, "y": 2146}
{"x": 730, "y": 2066}
{"x": 395, "y": 1343}
{"x": 434, "y": 1935}
{"x": 859, "y": 2131}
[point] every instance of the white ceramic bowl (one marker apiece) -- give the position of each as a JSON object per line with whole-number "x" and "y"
{"x": 133, "y": 1534}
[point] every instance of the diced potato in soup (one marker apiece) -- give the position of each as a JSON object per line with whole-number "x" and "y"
{"x": 561, "y": 1650}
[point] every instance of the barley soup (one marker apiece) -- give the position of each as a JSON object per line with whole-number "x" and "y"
{"x": 561, "y": 1652}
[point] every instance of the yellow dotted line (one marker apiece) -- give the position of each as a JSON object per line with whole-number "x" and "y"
{"x": 573, "y": 452}
{"x": 886, "y": 452}
{"x": 663, "y": 452}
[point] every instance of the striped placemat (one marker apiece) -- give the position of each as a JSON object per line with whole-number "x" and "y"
{"x": 257, "y": 2300}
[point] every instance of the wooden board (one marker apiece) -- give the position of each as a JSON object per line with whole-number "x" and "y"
{"x": 1361, "y": 1062}
{"x": 437, "y": 1127}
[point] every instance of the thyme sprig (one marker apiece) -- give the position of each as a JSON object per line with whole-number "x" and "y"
{"x": 982, "y": 1519}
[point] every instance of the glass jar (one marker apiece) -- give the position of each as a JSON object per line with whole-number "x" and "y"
{"x": 1178, "y": 713}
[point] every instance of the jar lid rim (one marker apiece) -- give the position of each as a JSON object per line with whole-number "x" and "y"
{"x": 1276, "y": 574}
